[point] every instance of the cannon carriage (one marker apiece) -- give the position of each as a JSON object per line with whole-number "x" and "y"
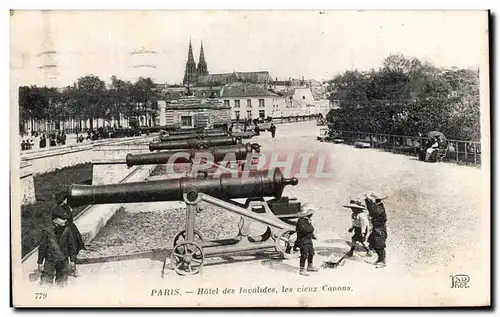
{"x": 190, "y": 249}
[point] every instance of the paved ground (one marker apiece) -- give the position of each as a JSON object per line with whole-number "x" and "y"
{"x": 435, "y": 226}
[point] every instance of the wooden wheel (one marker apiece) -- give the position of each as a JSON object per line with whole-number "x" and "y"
{"x": 284, "y": 242}
{"x": 187, "y": 258}
{"x": 181, "y": 237}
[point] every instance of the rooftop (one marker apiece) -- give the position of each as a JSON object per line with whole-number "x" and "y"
{"x": 245, "y": 90}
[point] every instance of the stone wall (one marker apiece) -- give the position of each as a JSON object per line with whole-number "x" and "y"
{"x": 27, "y": 184}
{"x": 48, "y": 160}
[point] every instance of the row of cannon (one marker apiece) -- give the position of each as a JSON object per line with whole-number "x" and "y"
{"x": 278, "y": 214}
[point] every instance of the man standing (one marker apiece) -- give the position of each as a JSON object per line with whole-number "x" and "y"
{"x": 305, "y": 234}
{"x": 272, "y": 129}
{"x": 378, "y": 216}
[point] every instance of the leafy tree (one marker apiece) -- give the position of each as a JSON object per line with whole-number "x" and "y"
{"x": 407, "y": 96}
{"x": 91, "y": 95}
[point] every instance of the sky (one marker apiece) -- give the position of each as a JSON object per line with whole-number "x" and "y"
{"x": 312, "y": 44}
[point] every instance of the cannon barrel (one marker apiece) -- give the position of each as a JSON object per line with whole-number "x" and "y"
{"x": 167, "y": 138}
{"x": 265, "y": 183}
{"x": 244, "y": 135}
{"x": 193, "y": 143}
{"x": 193, "y": 131}
{"x": 240, "y": 152}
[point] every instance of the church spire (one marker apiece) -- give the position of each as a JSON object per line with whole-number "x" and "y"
{"x": 190, "y": 72}
{"x": 202, "y": 64}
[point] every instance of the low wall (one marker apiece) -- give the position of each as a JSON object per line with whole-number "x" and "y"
{"x": 104, "y": 159}
{"x": 50, "y": 159}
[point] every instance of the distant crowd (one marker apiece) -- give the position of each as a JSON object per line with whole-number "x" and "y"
{"x": 58, "y": 138}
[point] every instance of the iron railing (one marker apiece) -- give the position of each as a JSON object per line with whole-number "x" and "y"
{"x": 459, "y": 151}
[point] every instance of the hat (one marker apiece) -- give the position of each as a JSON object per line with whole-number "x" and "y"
{"x": 355, "y": 203}
{"x": 60, "y": 197}
{"x": 375, "y": 196}
{"x": 59, "y": 212}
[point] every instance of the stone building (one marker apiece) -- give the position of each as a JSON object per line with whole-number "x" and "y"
{"x": 191, "y": 112}
{"x": 249, "y": 101}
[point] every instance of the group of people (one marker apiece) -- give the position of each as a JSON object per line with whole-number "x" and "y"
{"x": 369, "y": 227}
{"x": 256, "y": 128}
{"x": 59, "y": 244}
{"x": 61, "y": 241}
{"x": 55, "y": 139}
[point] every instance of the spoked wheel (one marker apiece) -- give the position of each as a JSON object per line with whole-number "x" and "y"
{"x": 284, "y": 242}
{"x": 181, "y": 237}
{"x": 187, "y": 258}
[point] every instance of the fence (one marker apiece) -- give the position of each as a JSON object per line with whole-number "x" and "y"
{"x": 466, "y": 152}
{"x": 298, "y": 118}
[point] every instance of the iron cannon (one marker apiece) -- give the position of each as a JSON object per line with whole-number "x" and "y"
{"x": 244, "y": 135}
{"x": 240, "y": 152}
{"x": 189, "y": 247}
{"x": 193, "y": 143}
{"x": 263, "y": 183}
{"x": 167, "y": 138}
{"x": 193, "y": 131}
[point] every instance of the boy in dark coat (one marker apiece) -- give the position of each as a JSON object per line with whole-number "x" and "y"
{"x": 378, "y": 217}
{"x": 77, "y": 237}
{"x": 55, "y": 248}
{"x": 305, "y": 235}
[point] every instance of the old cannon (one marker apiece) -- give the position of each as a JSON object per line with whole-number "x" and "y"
{"x": 168, "y": 138}
{"x": 193, "y": 131}
{"x": 189, "y": 249}
{"x": 243, "y": 134}
{"x": 237, "y": 152}
{"x": 193, "y": 143}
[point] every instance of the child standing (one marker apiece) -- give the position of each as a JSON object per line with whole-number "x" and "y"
{"x": 360, "y": 225}
{"x": 55, "y": 248}
{"x": 378, "y": 216}
{"x": 305, "y": 235}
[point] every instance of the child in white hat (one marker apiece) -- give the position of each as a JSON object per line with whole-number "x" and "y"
{"x": 360, "y": 225}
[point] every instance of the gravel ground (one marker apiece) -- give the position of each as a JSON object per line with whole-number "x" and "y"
{"x": 433, "y": 209}
{"x": 142, "y": 227}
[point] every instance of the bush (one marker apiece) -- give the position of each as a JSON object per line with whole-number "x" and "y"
{"x": 35, "y": 216}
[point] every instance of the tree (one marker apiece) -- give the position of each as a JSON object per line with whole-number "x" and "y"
{"x": 91, "y": 95}
{"x": 145, "y": 97}
{"x": 407, "y": 96}
{"x": 349, "y": 89}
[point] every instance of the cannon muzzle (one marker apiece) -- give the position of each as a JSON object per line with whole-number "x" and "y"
{"x": 193, "y": 143}
{"x": 218, "y": 154}
{"x": 265, "y": 183}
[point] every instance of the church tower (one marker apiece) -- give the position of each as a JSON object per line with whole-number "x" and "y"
{"x": 202, "y": 64}
{"x": 190, "y": 72}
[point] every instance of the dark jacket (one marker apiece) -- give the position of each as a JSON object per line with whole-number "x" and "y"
{"x": 56, "y": 245}
{"x": 305, "y": 231}
{"x": 77, "y": 237}
{"x": 376, "y": 210}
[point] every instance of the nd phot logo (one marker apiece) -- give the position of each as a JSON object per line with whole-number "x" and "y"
{"x": 459, "y": 281}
